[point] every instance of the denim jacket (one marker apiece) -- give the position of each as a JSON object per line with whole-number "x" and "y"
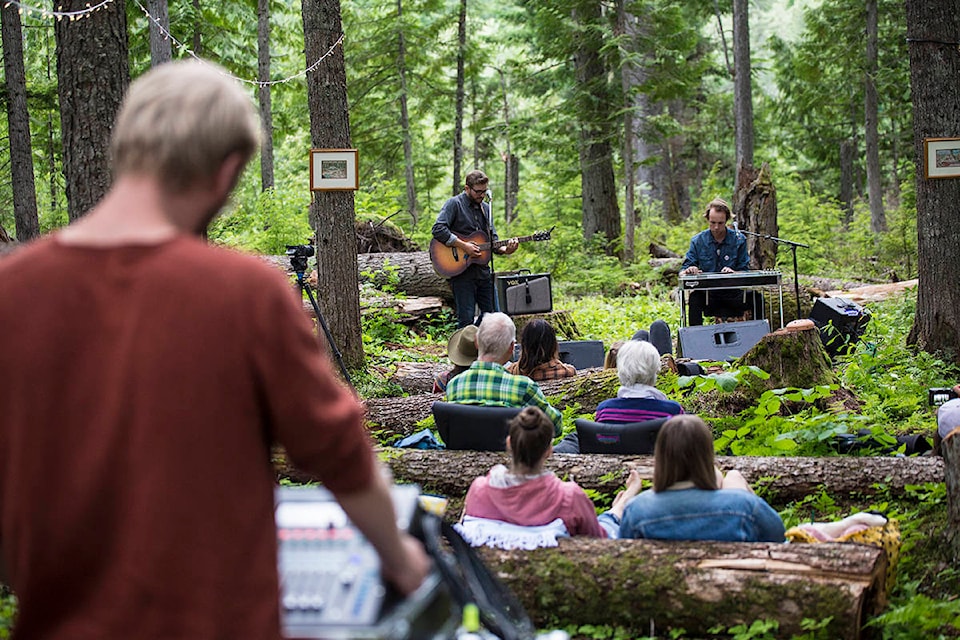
{"x": 728, "y": 515}
{"x": 711, "y": 257}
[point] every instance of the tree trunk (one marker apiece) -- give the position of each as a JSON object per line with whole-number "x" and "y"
{"x": 92, "y": 76}
{"x": 848, "y": 151}
{"x": 331, "y": 212}
{"x": 934, "y": 68}
{"x": 510, "y": 163}
{"x": 598, "y": 185}
{"x": 950, "y": 448}
{"x": 412, "y": 206}
{"x": 871, "y": 137}
{"x": 651, "y": 586}
{"x": 461, "y": 83}
{"x": 635, "y": 150}
{"x": 755, "y": 207}
{"x": 781, "y": 480}
{"x": 263, "y": 93}
{"x": 196, "y": 41}
{"x": 511, "y": 187}
{"x": 18, "y": 126}
{"x": 159, "y": 30}
{"x": 742, "y": 96}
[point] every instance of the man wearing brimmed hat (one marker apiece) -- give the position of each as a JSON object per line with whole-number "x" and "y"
{"x": 462, "y": 351}
{"x": 486, "y": 382}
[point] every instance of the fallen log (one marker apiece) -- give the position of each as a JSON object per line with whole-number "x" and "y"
{"x": 651, "y": 587}
{"x": 399, "y": 416}
{"x": 412, "y": 273}
{"x": 779, "y": 480}
{"x": 417, "y": 377}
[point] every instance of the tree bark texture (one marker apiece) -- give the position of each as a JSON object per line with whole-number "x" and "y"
{"x": 742, "y": 85}
{"x": 92, "y": 76}
{"x": 647, "y": 585}
{"x": 634, "y": 151}
{"x": 934, "y": 68}
{"x": 793, "y": 359}
{"x": 950, "y": 448}
{"x": 461, "y": 81}
{"x": 263, "y": 93}
{"x": 756, "y": 208}
{"x": 18, "y": 127}
{"x": 779, "y": 480}
{"x": 332, "y": 212}
{"x": 412, "y": 207}
{"x": 598, "y": 185}
{"x": 160, "y": 51}
{"x": 871, "y": 135}
{"x": 416, "y": 274}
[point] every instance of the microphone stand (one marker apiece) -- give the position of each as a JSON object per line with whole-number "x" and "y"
{"x": 793, "y": 248}
{"x": 493, "y": 271}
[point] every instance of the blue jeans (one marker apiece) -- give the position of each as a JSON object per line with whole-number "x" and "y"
{"x": 471, "y": 289}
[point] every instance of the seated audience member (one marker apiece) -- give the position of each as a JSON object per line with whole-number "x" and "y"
{"x": 527, "y": 495}
{"x": 637, "y": 399}
{"x": 462, "y": 351}
{"x": 540, "y": 354}
{"x": 691, "y": 500}
{"x": 948, "y": 419}
{"x": 610, "y": 360}
{"x": 486, "y": 382}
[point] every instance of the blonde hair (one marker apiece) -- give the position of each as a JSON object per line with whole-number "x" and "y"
{"x": 180, "y": 121}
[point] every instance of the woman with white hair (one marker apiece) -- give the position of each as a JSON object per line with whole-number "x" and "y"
{"x": 638, "y": 399}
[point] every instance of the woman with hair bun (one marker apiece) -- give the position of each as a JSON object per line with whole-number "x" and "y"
{"x": 525, "y": 494}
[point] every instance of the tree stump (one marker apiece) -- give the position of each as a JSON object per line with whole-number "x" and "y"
{"x": 792, "y": 358}
{"x": 755, "y": 206}
{"x": 950, "y": 448}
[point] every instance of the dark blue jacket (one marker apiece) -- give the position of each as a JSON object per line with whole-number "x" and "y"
{"x": 711, "y": 257}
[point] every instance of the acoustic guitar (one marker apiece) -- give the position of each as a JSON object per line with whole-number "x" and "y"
{"x": 451, "y": 261}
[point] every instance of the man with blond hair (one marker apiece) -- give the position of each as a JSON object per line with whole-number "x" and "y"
{"x": 142, "y": 399}
{"x": 486, "y": 382}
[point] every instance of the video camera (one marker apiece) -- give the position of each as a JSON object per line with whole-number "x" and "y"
{"x": 938, "y": 395}
{"x": 298, "y": 254}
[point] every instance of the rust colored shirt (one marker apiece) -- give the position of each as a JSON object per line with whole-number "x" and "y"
{"x": 142, "y": 388}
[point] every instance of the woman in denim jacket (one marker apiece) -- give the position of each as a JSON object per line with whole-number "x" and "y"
{"x": 691, "y": 499}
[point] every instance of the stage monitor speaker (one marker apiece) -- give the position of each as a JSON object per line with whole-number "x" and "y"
{"x": 721, "y": 342}
{"x": 583, "y": 354}
{"x": 523, "y": 293}
{"x": 841, "y": 323}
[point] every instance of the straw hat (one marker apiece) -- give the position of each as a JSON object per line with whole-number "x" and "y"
{"x": 462, "y": 346}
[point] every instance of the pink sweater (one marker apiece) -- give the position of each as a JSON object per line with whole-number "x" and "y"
{"x": 533, "y": 503}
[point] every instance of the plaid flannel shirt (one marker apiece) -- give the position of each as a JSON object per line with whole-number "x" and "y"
{"x": 552, "y": 370}
{"x": 488, "y": 383}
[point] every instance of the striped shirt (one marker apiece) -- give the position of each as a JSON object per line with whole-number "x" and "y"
{"x": 624, "y": 410}
{"x": 489, "y": 384}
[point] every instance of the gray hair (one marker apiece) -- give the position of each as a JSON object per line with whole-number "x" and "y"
{"x": 638, "y": 363}
{"x": 495, "y": 335}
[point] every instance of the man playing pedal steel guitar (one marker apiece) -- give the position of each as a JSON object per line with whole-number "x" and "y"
{"x": 463, "y": 216}
{"x": 717, "y": 250}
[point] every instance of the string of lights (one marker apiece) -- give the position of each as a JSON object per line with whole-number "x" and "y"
{"x": 59, "y": 14}
{"x": 260, "y": 83}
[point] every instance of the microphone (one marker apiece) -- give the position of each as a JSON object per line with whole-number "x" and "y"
{"x": 489, "y": 194}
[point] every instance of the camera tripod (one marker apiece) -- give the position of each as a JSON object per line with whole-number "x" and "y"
{"x": 299, "y": 263}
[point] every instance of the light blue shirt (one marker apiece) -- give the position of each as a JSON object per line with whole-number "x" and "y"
{"x": 726, "y": 515}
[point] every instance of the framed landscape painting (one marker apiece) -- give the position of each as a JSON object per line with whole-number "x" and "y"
{"x": 941, "y": 157}
{"x": 333, "y": 170}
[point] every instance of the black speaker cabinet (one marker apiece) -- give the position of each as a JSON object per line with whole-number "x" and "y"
{"x": 522, "y": 293}
{"x": 721, "y": 342}
{"x": 582, "y": 354}
{"x": 841, "y": 323}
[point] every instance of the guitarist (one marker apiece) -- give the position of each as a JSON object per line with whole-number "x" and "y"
{"x": 461, "y": 216}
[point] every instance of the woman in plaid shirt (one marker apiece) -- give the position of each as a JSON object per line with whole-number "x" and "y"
{"x": 539, "y": 354}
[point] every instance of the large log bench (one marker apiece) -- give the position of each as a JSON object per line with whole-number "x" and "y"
{"x": 651, "y": 586}
{"x": 780, "y": 480}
